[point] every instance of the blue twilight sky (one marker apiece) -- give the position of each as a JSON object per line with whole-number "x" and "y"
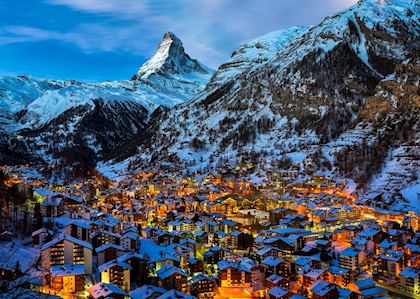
{"x": 96, "y": 40}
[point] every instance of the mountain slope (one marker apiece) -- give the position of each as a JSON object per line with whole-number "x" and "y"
{"x": 307, "y": 94}
{"x": 54, "y": 117}
{"x": 306, "y": 106}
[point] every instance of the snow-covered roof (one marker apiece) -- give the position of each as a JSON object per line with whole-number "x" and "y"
{"x": 410, "y": 272}
{"x": 278, "y": 292}
{"x": 67, "y": 270}
{"x": 321, "y": 287}
{"x": 105, "y": 290}
{"x": 108, "y": 245}
{"x": 169, "y": 270}
{"x": 272, "y": 261}
{"x": 146, "y": 291}
{"x": 68, "y": 238}
{"x": 114, "y": 263}
{"x": 174, "y": 294}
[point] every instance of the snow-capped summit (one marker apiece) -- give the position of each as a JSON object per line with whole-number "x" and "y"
{"x": 48, "y": 117}
{"x": 290, "y": 97}
{"x": 171, "y": 59}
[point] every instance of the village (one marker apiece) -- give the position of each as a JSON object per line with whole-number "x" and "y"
{"x": 158, "y": 235}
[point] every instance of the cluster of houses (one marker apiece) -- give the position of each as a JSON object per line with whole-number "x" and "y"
{"x": 165, "y": 237}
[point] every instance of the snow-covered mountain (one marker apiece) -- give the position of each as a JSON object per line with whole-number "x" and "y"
{"x": 296, "y": 96}
{"x": 48, "y": 117}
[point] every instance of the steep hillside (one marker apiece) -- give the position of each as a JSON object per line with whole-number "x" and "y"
{"x": 313, "y": 98}
{"x": 307, "y": 94}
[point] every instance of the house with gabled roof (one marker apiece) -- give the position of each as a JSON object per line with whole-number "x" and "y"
{"x": 116, "y": 272}
{"x": 171, "y": 277}
{"x": 67, "y": 250}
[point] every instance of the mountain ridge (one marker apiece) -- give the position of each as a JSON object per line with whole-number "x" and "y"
{"x": 51, "y": 116}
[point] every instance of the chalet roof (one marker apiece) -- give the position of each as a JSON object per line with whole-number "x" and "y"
{"x": 108, "y": 245}
{"x": 112, "y": 264}
{"x": 68, "y": 238}
{"x": 105, "y": 290}
{"x": 201, "y": 277}
{"x": 372, "y": 291}
{"x": 369, "y": 232}
{"x": 169, "y": 270}
{"x": 278, "y": 292}
{"x": 386, "y": 244}
{"x": 224, "y": 264}
{"x": 392, "y": 255}
{"x": 187, "y": 240}
{"x": 272, "y": 261}
{"x": 337, "y": 270}
{"x": 349, "y": 252}
{"x": 67, "y": 270}
{"x": 174, "y": 294}
{"x": 42, "y": 230}
{"x": 321, "y": 287}
{"x": 130, "y": 235}
{"x": 364, "y": 283}
{"x": 410, "y": 272}
{"x": 146, "y": 291}
{"x": 266, "y": 249}
{"x": 274, "y": 278}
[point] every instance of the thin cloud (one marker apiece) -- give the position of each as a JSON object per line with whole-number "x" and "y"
{"x": 210, "y": 30}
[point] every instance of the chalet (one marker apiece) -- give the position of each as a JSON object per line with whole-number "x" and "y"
{"x": 166, "y": 238}
{"x": 78, "y": 229}
{"x": 56, "y": 205}
{"x": 139, "y": 267}
{"x": 68, "y": 277}
{"x": 266, "y": 251}
{"x": 350, "y": 259}
{"x": 101, "y": 237}
{"x": 339, "y": 276}
{"x": 116, "y": 272}
{"x": 67, "y": 250}
{"x": 234, "y": 274}
{"x": 391, "y": 264}
{"x": 171, "y": 277}
{"x": 41, "y": 236}
{"x": 274, "y": 265}
{"x": 309, "y": 275}
{"x": 108, "y": 252}
{"x": 129, "y": 241}
{"x": 322, "y": 289}
{"x": 195, "y": 265}
{"x": 202, "y": 286}
{"x": 409, "y": 280}
{"x": 366, "y": 288}
{"x": 276, "y": 280}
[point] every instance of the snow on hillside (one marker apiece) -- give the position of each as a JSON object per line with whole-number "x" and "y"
{"x": 52, "y": 103}
{"x": 294, "y": 88}
{"x": 256, "y": 52}
{"x": 44, "y": 100}
{"x": 399, "y": 177}
{"x": 17, "y": 92}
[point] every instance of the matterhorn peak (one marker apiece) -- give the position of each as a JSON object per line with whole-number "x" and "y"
{"x": 170, "y": 59}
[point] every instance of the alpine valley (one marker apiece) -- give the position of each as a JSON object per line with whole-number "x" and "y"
{"x": 340, "y": 98}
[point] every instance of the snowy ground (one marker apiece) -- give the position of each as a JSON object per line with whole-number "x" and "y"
{"x": 14, "y": 251}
